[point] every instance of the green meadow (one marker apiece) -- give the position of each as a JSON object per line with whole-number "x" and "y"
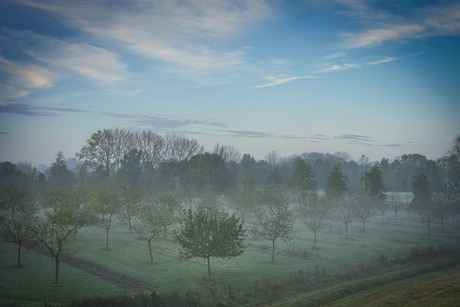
{"x": 32, "y": 284}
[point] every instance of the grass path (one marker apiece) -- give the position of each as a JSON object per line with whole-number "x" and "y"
{"x": 418, "y": 285}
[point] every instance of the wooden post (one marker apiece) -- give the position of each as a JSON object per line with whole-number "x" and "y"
{"x": 263, "y": 283}
{"x": 361, "y": 263}
{"x": 230, "y": 291}
{"x": 317, "y": 270}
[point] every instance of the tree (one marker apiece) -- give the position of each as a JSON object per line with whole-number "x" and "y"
{"x": 73, "y": 208}
{"x": 313, "y": 210}
{"x": 18, "y": 210}
{"x": 373, "y": 186}
{"x": 59, "y": 174}
{"x": 107, "y": 206}
{"x": 395, "y": 203}
{"x": 130, "y": 201}
{"x": 276, "y": 222}
{"x": 274, "y": 177}
{"x": 100, "y": 150}
{"x": 422, "y": 202}
{"x": 302, "y": 180}
{"x": 335, "y": 185}
{"x": 54, "y": 238}
{"x": 343, "y": 209}
{"x": 130, "y": 167}
{"x": 147, "y": 225}
{"x": 167, "y": 207}
{"x": 210, "y": 232}
{"x": 364, "y": 208}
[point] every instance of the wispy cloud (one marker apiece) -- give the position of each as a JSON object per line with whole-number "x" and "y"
{"x": 337, "y": 67}
{"x": 158, "y": 121}
{"x": 16, "y": 80}
{"x": 417, "y": 23}
{"x": 249, "y": 133}
{"x": 273, "y": 81}
{"x": 355, "y": 139}
{"x": 189, "y": 38}
{"x": 385, "y": 60}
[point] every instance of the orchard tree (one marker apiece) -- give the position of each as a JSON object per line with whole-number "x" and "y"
{"x": 364, "y": 208}
{"x": 54, "y": 238}
{"x": 107, "y": 206}
{"x": 167, "y": 208}
{"x": 130, "y": 202}
{"x": 276, "y": 222}
{"x": 422, "y": 203}
{"x": 313, "y": 210}
{"x": 18, "y": 210}
{"x": 207, "y": 232}
{"x": 343, "y": 209}
{"x": 395, "y": 203}
{"x": 147, "y": 225}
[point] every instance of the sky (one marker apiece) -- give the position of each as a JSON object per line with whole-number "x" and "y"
{"x": 366, "y": 77}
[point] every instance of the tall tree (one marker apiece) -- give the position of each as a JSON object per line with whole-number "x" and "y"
{"x": 209, "y": 232}
{"x": 167, "y": 208}
{"x": 302, "y": 180}
{"x": 100, "y": 150}
{"x": 335, "y": 185}
{"x": 59, "y": 174}
{"x": 373, "y": 186}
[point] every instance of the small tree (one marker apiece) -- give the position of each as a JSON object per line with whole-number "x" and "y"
{"x": 209, "y": 232}
{"x": 276, "y": 223}
{"x": 364, "y": 208}
{"x": 313, "y": 210}
{"x": 106, "y": 208}
{"x": 167, "y": 208}
{"x": 343, "y": 209}
{"x": 130, "y": 200}
{"x": 147, "y": 226}
{"x": 395, "y": 203}
{"x": 422, "y": 202}
{"x": 18, "y": 211}
{"x": 54, "y": 238}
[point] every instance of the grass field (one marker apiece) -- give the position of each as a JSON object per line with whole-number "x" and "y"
{"x": 129, "y": 256}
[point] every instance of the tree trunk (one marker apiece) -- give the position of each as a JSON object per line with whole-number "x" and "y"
{"x": 107, "y": 239}
{"x": 429, "y": 232}
{"x": 346, "y": 229}
{"x": 209, "y": 270}
{"x": 150, "y": 250}
{"x": 19, "y": 255}
{"x": 56, "y": 270}
{"x": 364, "y": 225}
{"x": 314, "y": 245}
{"x": 273, "y": 251}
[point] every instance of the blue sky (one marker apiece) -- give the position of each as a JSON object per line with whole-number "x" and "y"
{"x": 375, "y": 78}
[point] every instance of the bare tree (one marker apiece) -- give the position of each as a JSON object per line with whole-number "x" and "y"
{"x": 227, "y": 152}
{"x": 313, "y": 211}
{"x": 106, "y": 208}
{"x": 343, "y": 209}
{"x": 18, "y": 210}
{"x": 276, "y": 222}
{"x": 147, "y": 225}
{"x": 130, "y": 201}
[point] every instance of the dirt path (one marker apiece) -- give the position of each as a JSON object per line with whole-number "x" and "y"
{"x": 123, "y": 281}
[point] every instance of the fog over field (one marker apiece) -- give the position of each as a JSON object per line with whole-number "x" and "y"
{"x": 229, "y": 153}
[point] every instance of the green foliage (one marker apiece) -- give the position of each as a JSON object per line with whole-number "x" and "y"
{"x": 209, "y": 232}
{"x": 373, "y": 184}
{"x": 59, "y": 174}
{"x": 335, "y": 185}
{"x": 302, "y": 180}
